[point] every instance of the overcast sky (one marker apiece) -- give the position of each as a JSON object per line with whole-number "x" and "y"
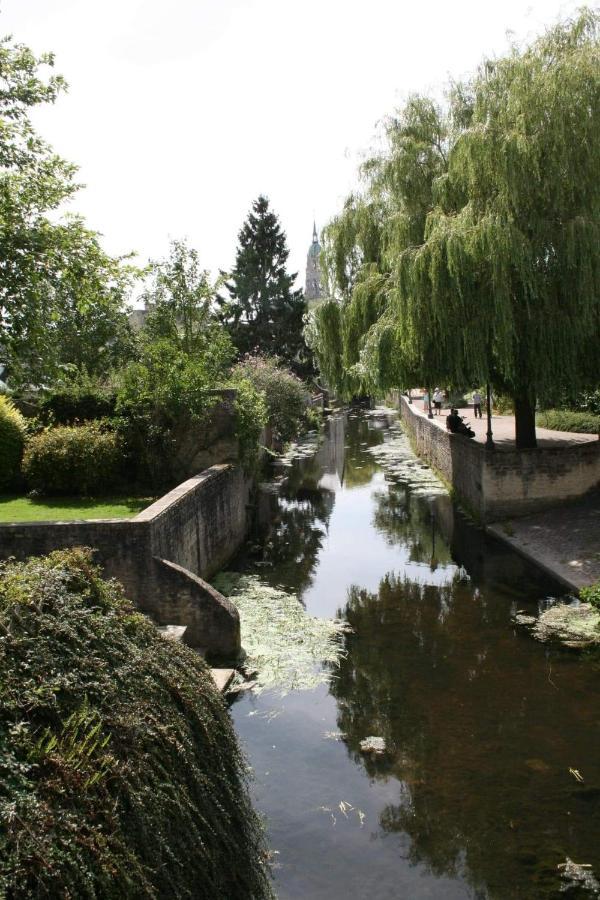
{"x": 180, "y": 113}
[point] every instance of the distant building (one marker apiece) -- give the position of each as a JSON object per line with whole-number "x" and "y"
{"x": 312, "y": 290}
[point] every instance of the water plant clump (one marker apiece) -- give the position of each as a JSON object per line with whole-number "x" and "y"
{"x": 396, "y": 457}
{"x": 285, "y": 646}
{"x": 120, "y": 771}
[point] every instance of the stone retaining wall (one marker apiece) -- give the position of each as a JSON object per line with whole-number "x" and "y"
{"x": 500, "y": 484}
{"x": 196, "y": 528}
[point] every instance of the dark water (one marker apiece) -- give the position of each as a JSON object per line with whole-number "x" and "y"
{"x": 473, "y": 797}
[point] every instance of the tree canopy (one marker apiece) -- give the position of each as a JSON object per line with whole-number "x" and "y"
{"x": 263, "y": 311}
{"x": 180, "y": 300}
{"x": 61, "y": 296}
{"x": 472, "y": 251}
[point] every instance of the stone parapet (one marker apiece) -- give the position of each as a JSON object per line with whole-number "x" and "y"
{"x": 162, "y": 555}
{"x": 506, "y": 483}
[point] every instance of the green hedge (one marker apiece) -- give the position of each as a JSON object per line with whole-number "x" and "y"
{"x": 12, "y": 441}
{"x": 568, "y": 420}
{"x": 120, "y": 770}
{"x": 74, "y": 460}
{"x": 69, "y": 406}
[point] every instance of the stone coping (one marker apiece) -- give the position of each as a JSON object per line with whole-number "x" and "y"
{"x": 178, "y": 493}
{"x": 503, "y": 429}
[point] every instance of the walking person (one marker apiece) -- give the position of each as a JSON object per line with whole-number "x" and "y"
{"x": 477, "y": 401}
{"x": 438, "y": 398}
{"x": 426, "y": 402}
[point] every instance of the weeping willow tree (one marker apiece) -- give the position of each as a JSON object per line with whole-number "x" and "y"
{"x": 488, "y": 252}
{"x": 360, "y": 339}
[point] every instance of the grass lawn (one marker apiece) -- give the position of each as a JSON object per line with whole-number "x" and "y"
{"x": 43, "y": 509}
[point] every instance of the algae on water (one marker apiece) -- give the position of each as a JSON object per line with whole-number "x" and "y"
{"x": 285, "y": 646}
{"x": 396, "y": 457}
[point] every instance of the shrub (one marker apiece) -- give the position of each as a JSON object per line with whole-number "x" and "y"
{"x": 591, "y": 595}
{"x": 568, "y": 420}
{"x": 251, "y": 417}
{"x": 158, "y": 393}
{"x": 75, "y": 460}
{"x": 67, "y": 406}
{"x": 285, "y": 394}
{"x": 121, "y": 773}
{"x": 12, "y": 440}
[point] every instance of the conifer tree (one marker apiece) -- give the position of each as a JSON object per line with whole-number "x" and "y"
{"x": 263, "y": 311}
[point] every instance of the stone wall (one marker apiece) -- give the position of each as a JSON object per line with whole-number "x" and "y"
{"x": 503, "y": 483}
{"x": 196, "y": 528}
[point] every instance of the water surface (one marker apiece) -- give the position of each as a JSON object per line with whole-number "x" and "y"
{"x": 473, "y": 797}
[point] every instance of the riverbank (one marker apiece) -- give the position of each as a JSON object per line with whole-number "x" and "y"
{"x": 565, "y": 542}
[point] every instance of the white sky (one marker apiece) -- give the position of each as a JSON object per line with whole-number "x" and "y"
{"x": 181, "y": 112}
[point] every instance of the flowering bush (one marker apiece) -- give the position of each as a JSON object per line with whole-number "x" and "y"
{"x": 285, "y": 395}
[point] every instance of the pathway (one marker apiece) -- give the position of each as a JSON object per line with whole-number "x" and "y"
{"x": 564, "y": 541}
{"x": 503, "y": 428}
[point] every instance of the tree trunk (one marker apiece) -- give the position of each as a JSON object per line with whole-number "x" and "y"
{"x": 525, "y": 423}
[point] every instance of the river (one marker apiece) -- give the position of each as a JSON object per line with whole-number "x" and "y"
{"x": 473, "y": 796}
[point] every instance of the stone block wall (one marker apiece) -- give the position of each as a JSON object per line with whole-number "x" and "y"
{"x": 201, "y": 523}
{"x": 519, "y": 482}
{"x": 504, "y": 483}
{"x": 195, "y": 529}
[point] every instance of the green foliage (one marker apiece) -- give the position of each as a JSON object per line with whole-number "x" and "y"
{"x": 472, "y": 255}
{"x": 121, "y": 774}
{"x": 84, "y": 460}
{"x": 166, "y": 383}
{"x": 263, "y": 312}
{"x": 61, "y": 296}
{"x": 162, "y": 391}
{"x": 251, "y": 416}
{"x": 591, "y": 595}
{"x": 568, "y": 420}
{"x": 285, "y": 395}
{"x": 179, "y": 301}
{"x": 12, "y": 440}
{"x": 79, "y": 399}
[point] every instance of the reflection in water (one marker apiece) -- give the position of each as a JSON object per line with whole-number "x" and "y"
{"x": 469, "y": 717}
{"x": 412, "y": 524}
{"x": 473, "y": 796}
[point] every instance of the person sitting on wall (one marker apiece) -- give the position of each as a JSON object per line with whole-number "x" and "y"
{"x": 456, "y": 425}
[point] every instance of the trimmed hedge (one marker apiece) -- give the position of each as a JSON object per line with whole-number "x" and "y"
{"x": 120, "y": 770}
{"x": 74, "y": 460}
{"x": 12, "y": 441}
{"x": 568, "y": 420}
{"x": 69, "y": 406}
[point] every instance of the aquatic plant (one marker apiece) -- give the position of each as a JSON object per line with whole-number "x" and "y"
{"x": 284, "y": 645}
{"x": 120, "y": 771}
{"x": 591, "y": 594}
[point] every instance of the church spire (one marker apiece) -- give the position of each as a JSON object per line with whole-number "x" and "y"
{"x": 312, "y": 291}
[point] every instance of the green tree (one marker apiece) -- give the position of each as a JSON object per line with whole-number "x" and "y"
{"x": 61, "y": 296}
{"x": 263, "y": 311}
{"x": 486, "y": 259}
{"x": 180, "y": 301}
